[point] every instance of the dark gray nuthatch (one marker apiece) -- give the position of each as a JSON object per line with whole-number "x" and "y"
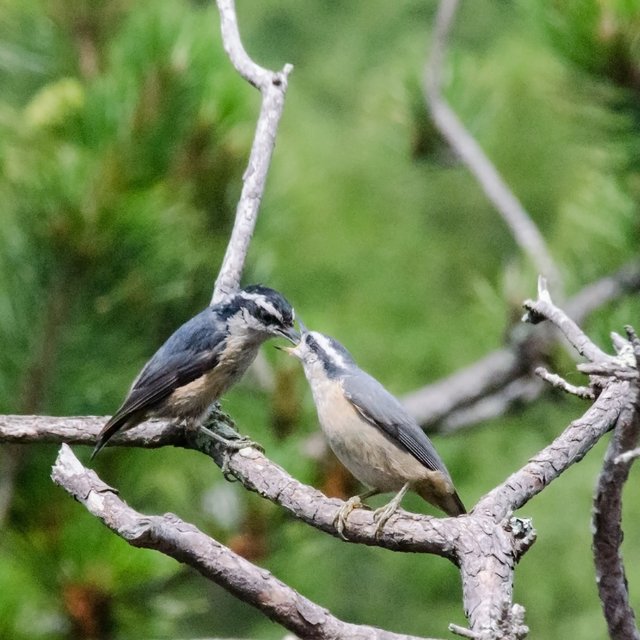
{"x": 203, "y": 358}
{"x": 370, "y": 432}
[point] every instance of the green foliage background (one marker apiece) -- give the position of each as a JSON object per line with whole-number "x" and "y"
{"x": 123, "y": 136}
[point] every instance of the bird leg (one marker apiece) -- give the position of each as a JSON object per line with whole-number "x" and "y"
{"x": 340, "y": 521}
{"x": 220, "y": 428}
{"x": 231, "y": 440}
{"x": 382, "y": 514}
{"x": 229, "y": 445}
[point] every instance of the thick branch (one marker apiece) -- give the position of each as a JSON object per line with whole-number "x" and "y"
{"x": 487, "y": 562}
{"x": 273, "y": 87}
{"x": 524, "y": 230}
{"x": 184, "y": 542}
{"x": 84, "y": 430}
{"x": 409, "y": 532}
{"x": 607, "y": 528}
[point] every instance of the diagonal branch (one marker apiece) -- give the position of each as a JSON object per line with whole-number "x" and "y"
{"x": 488, "y": 387}
{"x": 524, "y": 230}
{"x": 544, "y": 309}
{"x": 616, "y": 397}
{"x": 184, "y": 542}
{"x": 567, "y": 449}
{"x": 273, "y": 87}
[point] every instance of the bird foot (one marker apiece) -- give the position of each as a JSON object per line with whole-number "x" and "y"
{"x": 381, "y": 515}
{"x": 340, "y": 521}
{"x": 230, "y": 442}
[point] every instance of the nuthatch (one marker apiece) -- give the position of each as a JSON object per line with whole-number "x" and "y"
{"x": 371, "y": 433}
{"x": 203, "y": 358}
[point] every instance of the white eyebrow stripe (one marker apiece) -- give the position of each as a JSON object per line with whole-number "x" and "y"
{"x": 327, "y": 347}
{"x": 261, "y": 301}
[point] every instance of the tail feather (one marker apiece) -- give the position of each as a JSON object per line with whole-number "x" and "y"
{"x": 114, "y": 425}
{"x": 454, "y": 505}
{"x": 443, "y": 496}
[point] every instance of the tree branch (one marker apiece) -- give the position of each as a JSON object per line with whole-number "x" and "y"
{"x": 273, "y": 87}
{"x": 607, "y": 526}
{"x": 567, "y": 449}
{"x": 85, "y": 430}
{"x": 410, "y": 532}
{"x": 184, "y": 542}
{"x": 544, "y": 309}
{"x": 452, "y": 402}
{"x": 524, "y": 230}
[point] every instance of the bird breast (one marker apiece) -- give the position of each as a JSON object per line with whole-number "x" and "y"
{"x": 370, "y": 455}
{"x": 194, "y": 398}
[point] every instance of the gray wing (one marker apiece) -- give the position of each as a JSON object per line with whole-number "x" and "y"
{"x": 382, "y": 410}
{"x": 190, "y": 352}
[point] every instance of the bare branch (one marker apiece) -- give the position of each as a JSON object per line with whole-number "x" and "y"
{"x": 273, "y": 87}
{"x": 607, "y": 527}
{"x": 451, "y": 403}
{"x": 560, "y": 383}
{"x": 544, "y": 309}
{"x": 603, "y": 291}
{"x": 567, "y": 449}
{"x": 184, "y": 542}
{"x": 463, "y": 632}
{"x": 432, "y": 403}
{"x": 627, "y": 456}
{"x": 410, "y": 532}
{"x": 522, "y": 390}
{"x": 487, "y": 556}
{"x": 407, "y": 532}
{"x": 524, "y": 230}
{"x": 84, "y": 430}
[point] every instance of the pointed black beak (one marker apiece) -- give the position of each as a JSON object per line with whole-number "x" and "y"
{"x": 290, "y": 334}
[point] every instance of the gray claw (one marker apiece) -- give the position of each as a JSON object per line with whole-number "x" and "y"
{"x": 340, "y": 521}
{"x": 382, "y": 515}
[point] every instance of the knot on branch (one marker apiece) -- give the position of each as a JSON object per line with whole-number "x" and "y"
{"x": 523, "y": 534}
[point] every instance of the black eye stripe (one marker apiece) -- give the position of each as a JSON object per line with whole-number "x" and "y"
{"x": 268, "y": 317}
{"x": 278, "y": 313}
{"x": 313, "y": 344}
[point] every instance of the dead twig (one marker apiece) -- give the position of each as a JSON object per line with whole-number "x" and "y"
{"x": 273, "y": 87}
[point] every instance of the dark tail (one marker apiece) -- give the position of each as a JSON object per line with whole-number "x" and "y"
{"x": 442, "y": 495}
{"x": 454, "y": 505}
{"x": 108, "y": 431}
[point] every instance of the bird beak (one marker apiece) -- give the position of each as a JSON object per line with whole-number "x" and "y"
{"x": 292, "y": 351}
{"x": 295, "y": 337}
{"x": 290, "y": 334}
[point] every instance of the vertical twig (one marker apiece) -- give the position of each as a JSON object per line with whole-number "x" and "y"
{"x": 524, "y": 230}
{"x": 272, "y": 86}
{"x": 607, "y": 528}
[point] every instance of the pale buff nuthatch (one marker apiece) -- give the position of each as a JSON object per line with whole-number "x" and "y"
{"x": 203, "y": 358}
{"x": 370, "y": 432}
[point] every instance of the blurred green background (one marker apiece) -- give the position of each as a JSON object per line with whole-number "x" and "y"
{"x": 124, "y": 132}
